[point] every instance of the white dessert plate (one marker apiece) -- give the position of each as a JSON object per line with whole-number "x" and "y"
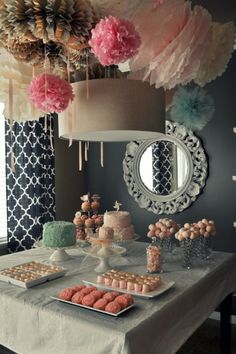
{"x": 93, "y": 309}
{"x": 164, "y": 286}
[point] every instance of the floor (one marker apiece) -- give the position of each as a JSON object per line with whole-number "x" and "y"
{"x": 204, "y": 341}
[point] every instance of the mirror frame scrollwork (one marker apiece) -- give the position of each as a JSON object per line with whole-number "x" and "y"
{"x": 197, "y": 168}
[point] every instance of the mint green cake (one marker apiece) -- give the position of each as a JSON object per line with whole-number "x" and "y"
{"x": 59, "y": 234}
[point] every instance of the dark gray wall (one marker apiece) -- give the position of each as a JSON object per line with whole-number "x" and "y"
{"x": 69, "y": 182}
{"x": 221, "y": 11}
{"x": 218, "y": 200}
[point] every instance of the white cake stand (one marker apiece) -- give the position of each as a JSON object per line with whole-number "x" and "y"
{"x": 103, "y": 253}
{"x": 59, "y": 254}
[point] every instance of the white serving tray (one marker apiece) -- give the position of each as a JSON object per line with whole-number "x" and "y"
{"x": 164, "y": 286}
{"x": 93, "y": 309}
{"x": 31, "y": 283}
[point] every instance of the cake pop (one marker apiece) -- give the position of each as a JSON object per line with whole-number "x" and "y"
{"x": 163, "y": 228}
{"x": 95, "y": 205}
{"x": 85, "y": 206}
{"x": 89, "y": 222}
{"x": 207, "y": 227}
{"x": 88, "y": 217}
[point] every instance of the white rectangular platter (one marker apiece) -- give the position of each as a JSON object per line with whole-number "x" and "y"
{"x": 164, "y": 286}
{"x": 41, "y": 278}
{"x": 93, "y": 309}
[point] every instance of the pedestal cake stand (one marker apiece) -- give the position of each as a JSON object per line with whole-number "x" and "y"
{"x": 125, "y": 243}
{"x": 59, "y": 253}
{"x": 103, "y": 252}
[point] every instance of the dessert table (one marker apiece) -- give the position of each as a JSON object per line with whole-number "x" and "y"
{"x": 33, "y": 323}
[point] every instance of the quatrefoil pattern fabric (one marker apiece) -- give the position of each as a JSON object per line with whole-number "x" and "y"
{"x": 162, "y": 168}
{"x": 31, "y": 189}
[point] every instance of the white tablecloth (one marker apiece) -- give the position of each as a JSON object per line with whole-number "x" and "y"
{"x": 32, "y": 323}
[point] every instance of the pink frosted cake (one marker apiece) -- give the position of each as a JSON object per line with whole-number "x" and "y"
{"x": 105, "y": 233}
{"x": 120, "y": 222}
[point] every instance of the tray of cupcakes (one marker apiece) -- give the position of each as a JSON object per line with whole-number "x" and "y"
{"x": 111, "y": 303}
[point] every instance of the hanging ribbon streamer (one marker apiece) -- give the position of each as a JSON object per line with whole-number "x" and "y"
{"x": 68, "y": 68}
{"x": 86, "y": 149}
{"x": 31, "y": 104}
{"x": 45, "y": 88}
{"x": 10, "y": 99}
{"x": 10, "y": 110}
{"x": 87, "y": 77}
{"x": 13, "y": 162}
{"x": 50, "y": 131}
{"x": 102, "y": 154}
{"x": 33, "y": 72}
{"x": 69, "y": 116}
{"x": 80, "y": 156}
{"x": 45, "y": 122}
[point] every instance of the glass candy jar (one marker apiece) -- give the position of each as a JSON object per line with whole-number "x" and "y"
{"x": 154, "y": 264}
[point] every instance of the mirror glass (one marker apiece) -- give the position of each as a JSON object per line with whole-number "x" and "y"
{"x": 163, "y": 167}
{"x": 165, "y": 175}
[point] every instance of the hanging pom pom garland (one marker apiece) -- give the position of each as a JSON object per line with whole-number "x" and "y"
{"x": 50, "y": 93}
{"x": 217, "y": 56}
{"x": 15, "y": 98}
{"x": 170, "y": 53}
{"x": 114, "y": 40}
{"x": 26, "y": 25}
{"x": 192, "y": 107}
{"x": 171, "y": 18}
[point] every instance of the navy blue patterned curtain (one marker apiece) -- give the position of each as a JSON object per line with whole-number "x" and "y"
{"x": 31, "y": 189}
{"x": 162, "y": 167}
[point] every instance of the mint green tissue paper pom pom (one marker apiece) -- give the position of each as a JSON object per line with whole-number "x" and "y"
{"x": 192, "y": 107}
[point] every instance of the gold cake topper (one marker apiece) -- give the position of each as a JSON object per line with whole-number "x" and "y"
{"x": 117, "y": 205}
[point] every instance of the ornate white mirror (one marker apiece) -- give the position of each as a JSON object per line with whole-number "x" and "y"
{"x": 166, "y": 175}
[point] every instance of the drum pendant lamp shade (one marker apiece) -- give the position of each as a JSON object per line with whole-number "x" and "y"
{"x": 112, "y": 110}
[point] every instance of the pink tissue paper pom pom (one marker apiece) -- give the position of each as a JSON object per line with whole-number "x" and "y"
{"x": 50, "y": 93}
{"x": 170, "y": 53}
{"x": 114, "y": 40}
